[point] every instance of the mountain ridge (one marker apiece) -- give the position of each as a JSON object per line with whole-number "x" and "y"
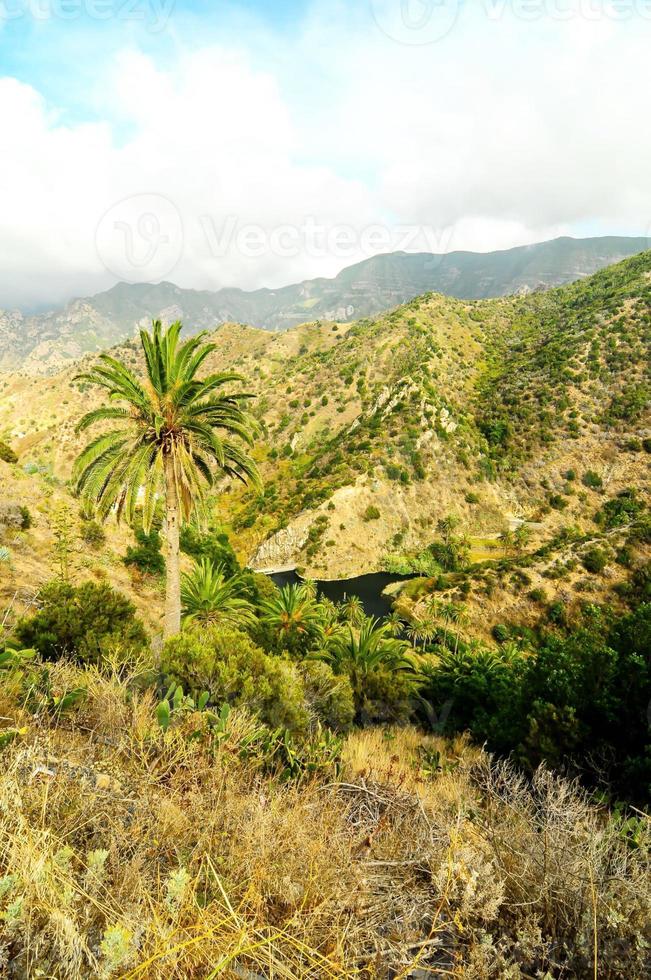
{"x": 44, "y": 343}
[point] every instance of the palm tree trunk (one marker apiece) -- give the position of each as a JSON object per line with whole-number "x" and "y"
{"x": 173, "y": 579}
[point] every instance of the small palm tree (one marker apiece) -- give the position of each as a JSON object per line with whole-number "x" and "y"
{"x": 330, "y": 623}
{"x": 360, "y": 652}
{"x": 352, "y": 609}
{"x": 521, "y": 538}
{"x": 208, "y": 597}
{"x": 175, "y": 433}
{"x": 394, "y": 623}
{"x": 422, "y": 631}
{"x": 446, "y": 527}
{"x": 293, "y": 614}
{"x": 507, "y": 539}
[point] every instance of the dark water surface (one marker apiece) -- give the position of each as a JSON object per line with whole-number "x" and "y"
{"x": 367, "y": 587}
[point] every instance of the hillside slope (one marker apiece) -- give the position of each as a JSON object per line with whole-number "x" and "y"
{"x": 47, "y": 342}
{"x": 531, "y": 409}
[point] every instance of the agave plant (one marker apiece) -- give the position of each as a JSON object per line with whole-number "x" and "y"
{"x": 208, "y": 596}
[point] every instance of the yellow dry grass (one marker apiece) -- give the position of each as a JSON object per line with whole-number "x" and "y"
{"x": 126, "y": 852}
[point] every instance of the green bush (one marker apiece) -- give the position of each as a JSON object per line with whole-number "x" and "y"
{"x": 329, "y": 696}
{"x": 212, "y": 544}
{"x": 538, "y": 595}
{"x": 93, "y": 533}
{"x": 579, "y": 699}
{"x": 82, "y": 622}
{"x": 623, "y": 509}
{"x": 7, "y": 455}
{"x": 25, "y": 518}
{"x": 501, "y": 633}
{"x": 557, "y": 501}
{"x": 371, "y": 513}
{"x": 234, "y": 670}
{"x": 388, "y": 698}
{"x": 147, "y": 555}
{"x": 592, "y": 480}
{"x": 594, "y": 560}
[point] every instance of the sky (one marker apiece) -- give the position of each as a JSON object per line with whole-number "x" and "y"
{"x": 261, "y": 142}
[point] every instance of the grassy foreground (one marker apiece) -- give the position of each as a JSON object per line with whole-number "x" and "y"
{"x": 129, "y": 851}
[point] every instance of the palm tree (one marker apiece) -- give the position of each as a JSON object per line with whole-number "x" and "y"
{"x": 360, "y": 652}
{"x": 208, "y": 596}
{"x": 293, "y": 614}
{"x": 352, "y": 609}
{"x": 508, "y": 541}
{"x": 446, "y": 527}
{"x": 422, "y": 630}
{"x": 330, "y": 624}
{"x": 394, "y": 623}
{"x": 174, "y": 434}
{"x": 459, "y": 617}
{"x": 521, "y": 538}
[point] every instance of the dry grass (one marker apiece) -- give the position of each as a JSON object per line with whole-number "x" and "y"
{"x": 128, "y": 853}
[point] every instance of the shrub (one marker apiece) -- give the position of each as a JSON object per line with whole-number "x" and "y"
{"x": 579, "y": 699}
{"x": 25, "y": 518}
{"x": 83, "y": 622}
{"x": 7, "y": 455}
{"x": 501, "y": 633}
{"x": 557, "y": 612}
{"x": 594, "y": 560}
{"x": 592, "y": 480}
{"x": 371, "y": 513}
{"x": 146, "y": 556}
{"x": 623, "y": 509}
{"x": 633, "y": 446}
{"x": 93, "y": 534}
{"x": 233, "y": 669}
{"x": 538, "y": 595}
{"x": 329, "y": 696}
{"x": 557, "y": 501}
{"x": 387, "y": 698}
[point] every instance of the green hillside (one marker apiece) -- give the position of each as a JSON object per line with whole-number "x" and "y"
{"x": 46, "y": 342}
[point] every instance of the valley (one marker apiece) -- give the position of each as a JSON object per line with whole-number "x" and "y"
{"x": 451, "y": 667}
{"x": 373, "y": 432}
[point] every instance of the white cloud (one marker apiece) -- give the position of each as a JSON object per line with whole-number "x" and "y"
{"x": 504, "y": 132}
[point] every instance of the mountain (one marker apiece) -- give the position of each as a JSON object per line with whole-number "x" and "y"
{"x": 45, "y": 343}
{"x": 532, "y": 409}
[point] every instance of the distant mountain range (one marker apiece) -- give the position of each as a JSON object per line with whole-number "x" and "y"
{"x": 44, "y": 343}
